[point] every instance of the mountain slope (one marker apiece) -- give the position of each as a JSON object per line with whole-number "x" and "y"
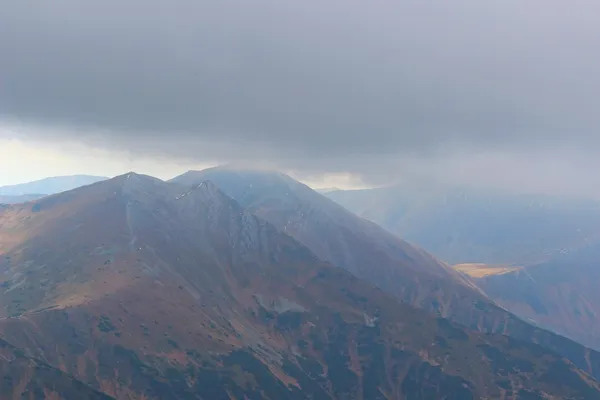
{"x": 12, "y": 199}
{"x": 327, "y": 229}
{"x": 146, "y": 290}
{"x": 468, "y": 226}
{"x": 560, "y": 294}
{"x": 374, "y": 255}
{"x": 27, "y": 378}
{"x": 50, "y": 185}
{"x": 549, "y": 247}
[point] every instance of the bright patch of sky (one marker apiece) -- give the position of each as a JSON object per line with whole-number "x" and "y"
{"x": 25, "y": 160}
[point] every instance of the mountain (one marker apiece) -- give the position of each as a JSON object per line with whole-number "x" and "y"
{"x": 27, "y": 378}
{"x": 51, "y": 185}
{"x": 537, "y": 256}
{"x": 145, "y": 289}
{"x": 560, "y": 294}
{"x": 320, "y": 224}
{"x": 374, "y": 255}
{"x": 478, "y": 226}
{"x": 338, "y": 236}
{"x": 12, "y": 199}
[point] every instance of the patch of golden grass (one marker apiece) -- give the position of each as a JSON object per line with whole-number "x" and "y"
{"x": 479, "y": 270}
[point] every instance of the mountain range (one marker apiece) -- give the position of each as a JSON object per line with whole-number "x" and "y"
{"x": 462, "y": 225}
{"x": 229, "y": 284}
{"x": 535, "y": 255}
{"x": 46, "y": 186}
{"x": 559, "y": 293}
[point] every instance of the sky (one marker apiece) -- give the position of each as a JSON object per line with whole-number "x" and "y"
{"x": 336, "y": 92}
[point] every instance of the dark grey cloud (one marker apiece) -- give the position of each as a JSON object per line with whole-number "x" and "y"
{"x": 326, "y": 85}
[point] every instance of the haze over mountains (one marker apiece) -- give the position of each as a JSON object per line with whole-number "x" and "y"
{"x": 139, "y": 288}
{"x": 539, "y": 253}
{"x": 47, "y": 186}
{"x": 462, "y": 225}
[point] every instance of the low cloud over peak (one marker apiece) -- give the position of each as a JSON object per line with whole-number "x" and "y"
{"x": 374, "y": 89}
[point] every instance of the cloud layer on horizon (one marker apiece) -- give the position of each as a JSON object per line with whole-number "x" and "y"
{"x": 370, "y": 88}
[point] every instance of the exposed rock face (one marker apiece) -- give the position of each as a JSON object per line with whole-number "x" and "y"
{"x": 143, "y": 289}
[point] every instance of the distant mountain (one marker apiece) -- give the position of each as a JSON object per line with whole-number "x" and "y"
{"x": 7, "y": 199}
{"x": 373, "y": 254}
{"x": 546, "y": 249}
{"x": 560, "y": 294}
{"x": 51, "y": 185}
{"x": 145, "y": 289}
{"x": 477, "y": 226}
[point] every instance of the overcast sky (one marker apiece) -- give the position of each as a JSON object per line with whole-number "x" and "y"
{"x": 503, "y": 93}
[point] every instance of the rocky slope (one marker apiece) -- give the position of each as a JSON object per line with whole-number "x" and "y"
{"x": 338, "y": 236}
{"x": 142, "y": 289}
{"x": 27, "y": 378}
{"x": 374, "y": 255}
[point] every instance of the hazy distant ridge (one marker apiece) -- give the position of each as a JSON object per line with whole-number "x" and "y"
{"x": 50, "y": 185}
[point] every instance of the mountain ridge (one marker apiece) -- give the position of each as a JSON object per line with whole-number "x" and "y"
{"x": 306, "y": 215}
{"x": 50, "y": 185}
{"x": 464, "y": 225}
{"x": 252, "y": 299}
{"x": 546, "y": 247}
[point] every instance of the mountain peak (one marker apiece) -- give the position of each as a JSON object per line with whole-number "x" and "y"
{"x": 136, "y": 177}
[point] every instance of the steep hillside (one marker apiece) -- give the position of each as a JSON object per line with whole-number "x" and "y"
{"x": 548, "y": 248}
{"x": 560, "y": 294}
{"x": 26, "y": 378}
{"x": 334, "y": 234}
{"x": 50, "y": 185}
{"x": 143, "y": 289}
{"x": 374, "y": 255}
{"x": 477, "y": 226}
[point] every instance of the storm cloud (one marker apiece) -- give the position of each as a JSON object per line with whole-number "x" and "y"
{"x": 329, "y": 86}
